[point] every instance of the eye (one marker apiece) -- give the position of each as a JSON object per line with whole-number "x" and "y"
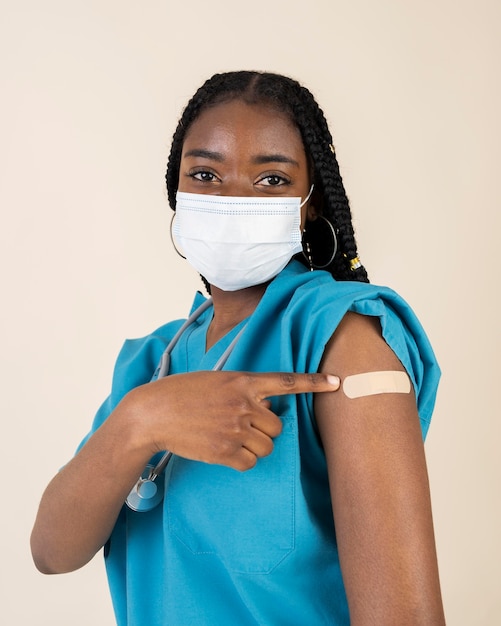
{"x": 203, "y": 175}
{"x": 273, "y": 180}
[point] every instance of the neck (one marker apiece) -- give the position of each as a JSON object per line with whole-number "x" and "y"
{"x": 230, "y": 308}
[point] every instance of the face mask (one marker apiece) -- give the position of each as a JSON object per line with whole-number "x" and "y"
{"x": 237, "y": 242}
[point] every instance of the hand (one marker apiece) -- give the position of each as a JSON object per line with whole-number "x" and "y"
{"x": 216, "y": 417}
{"x": 219, "y": 417}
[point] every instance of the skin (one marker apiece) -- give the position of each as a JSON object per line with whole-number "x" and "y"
{"x": 373, "y": 445}
{"x": 379, "y": 488}
{"x": 215, "y": 417}
{"x": 238, "y": 150}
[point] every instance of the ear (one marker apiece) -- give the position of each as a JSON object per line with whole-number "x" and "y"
{"x": 311, "y": 213}
{"x": 316, "y": 206}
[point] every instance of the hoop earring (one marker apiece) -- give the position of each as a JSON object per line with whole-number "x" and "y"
{"x": 307, "y": 253}
{"x": 325, "y": 239}
{"x": 172, "y": 238}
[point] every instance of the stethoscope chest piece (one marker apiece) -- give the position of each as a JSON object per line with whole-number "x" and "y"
{"x": 147, "y": 493}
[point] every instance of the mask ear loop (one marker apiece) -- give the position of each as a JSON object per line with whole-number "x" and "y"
{"x": 307, "y": 197}
{"x": 172, "y": 236}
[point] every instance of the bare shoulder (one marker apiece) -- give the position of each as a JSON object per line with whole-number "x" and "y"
{"x": 358, "y": 346}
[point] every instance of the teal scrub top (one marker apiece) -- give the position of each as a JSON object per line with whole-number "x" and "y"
{"x": 228, "y": 548}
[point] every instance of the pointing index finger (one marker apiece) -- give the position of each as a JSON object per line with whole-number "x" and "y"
{"x": 283, "y": 383}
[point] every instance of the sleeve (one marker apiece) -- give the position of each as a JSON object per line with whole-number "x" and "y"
{"x": 401, "y": 330}
{"x": 135, "y": 366}
{"x": 404, "y": 334}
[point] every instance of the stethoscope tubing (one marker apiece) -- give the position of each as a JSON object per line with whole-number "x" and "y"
{"x": 163, "y": 366}
{"x": 136, "y": 500}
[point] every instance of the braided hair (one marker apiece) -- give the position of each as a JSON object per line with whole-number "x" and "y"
{"x": 288, "y": 96}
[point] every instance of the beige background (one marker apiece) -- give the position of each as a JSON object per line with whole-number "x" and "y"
{"x": 91, "y": 91}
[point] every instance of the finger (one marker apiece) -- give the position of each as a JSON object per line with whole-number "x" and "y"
{"x": 266, "y": 421}
{"x": 259, "y": 443}
{"x": 283, "y": 383}
{"x": 244, "y": 460}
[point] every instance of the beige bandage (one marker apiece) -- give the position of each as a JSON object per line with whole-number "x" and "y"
{"x": 371, "y": 383}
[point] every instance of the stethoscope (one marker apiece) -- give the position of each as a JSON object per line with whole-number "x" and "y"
{"x": 148, "y": 492}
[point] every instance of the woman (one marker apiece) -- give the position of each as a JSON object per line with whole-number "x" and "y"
{"x": 328, "y": 518}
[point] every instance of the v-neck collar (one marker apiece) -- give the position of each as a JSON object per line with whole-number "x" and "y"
{"x": 196, "y": 339}
{"x": 196, "y": 335}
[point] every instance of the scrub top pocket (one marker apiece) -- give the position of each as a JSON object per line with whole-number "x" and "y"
{"x": 245, "y": 519}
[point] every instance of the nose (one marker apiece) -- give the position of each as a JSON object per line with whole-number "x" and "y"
{"x": 238, "y": 185}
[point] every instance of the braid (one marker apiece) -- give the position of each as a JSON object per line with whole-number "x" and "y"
{"x": 215, "y": 90}
{"x": 286, "y": 95}
{"x": 317, "y": 140}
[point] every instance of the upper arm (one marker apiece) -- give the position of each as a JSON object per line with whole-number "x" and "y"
{"x": 379, "y": 486}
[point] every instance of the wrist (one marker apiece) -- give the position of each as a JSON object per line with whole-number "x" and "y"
{"x": 130, "y": 421}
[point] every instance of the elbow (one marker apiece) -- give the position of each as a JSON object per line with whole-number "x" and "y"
{"x": 41, "y": 557}
{"x": 43, "y": 567}
{"x": 43, "y": 564}
{"x": 46, "y": 558}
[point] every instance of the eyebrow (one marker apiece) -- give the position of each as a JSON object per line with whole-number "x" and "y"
{"x": 259, "y": 159}
{"x": 206, "y": 154}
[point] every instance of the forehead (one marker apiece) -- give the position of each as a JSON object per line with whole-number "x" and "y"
{"x": 255, "y": 127}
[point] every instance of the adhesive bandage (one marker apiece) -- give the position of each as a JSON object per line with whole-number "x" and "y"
{"x": 372, "y": 383}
